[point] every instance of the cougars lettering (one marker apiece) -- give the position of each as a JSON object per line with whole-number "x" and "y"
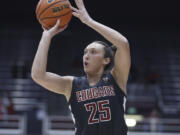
{"x": 95, "y": 92}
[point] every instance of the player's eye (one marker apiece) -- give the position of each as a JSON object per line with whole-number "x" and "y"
{"x": 93, "y": 51}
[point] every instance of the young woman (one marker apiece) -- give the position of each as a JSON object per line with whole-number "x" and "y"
{"x": 96, "y": 99}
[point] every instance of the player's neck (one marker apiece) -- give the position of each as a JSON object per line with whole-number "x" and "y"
{"x": 93, "y": 79}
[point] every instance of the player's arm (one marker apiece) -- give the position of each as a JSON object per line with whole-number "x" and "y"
{"x": 122, "y": 56}
{"x": 50, "y": 81}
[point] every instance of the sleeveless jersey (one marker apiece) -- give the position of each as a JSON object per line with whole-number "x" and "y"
{"x": 98, "y": 109}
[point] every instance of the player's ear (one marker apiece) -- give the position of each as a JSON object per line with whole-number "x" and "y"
{"x": 106, "y": 61}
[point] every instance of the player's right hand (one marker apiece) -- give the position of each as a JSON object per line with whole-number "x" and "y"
{"x": 54, "y": 30}
{"x": 81, "y": 12}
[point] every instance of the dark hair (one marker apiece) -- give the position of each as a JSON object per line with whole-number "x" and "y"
{"x": 109, "y": 52}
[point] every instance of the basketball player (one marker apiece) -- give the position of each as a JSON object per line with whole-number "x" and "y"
{"x": 96, "y": 99}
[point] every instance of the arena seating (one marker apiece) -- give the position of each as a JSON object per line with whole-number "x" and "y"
{"x": 13, "y": 125}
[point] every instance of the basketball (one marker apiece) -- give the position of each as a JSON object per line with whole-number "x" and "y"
{"x": 48, "y": 11}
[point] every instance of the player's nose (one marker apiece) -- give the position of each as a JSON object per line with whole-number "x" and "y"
{"x": 86, "y": 56}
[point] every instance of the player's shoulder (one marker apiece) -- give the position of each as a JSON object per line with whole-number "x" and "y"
{"x": 108, "y": 75}
{"x": 79, "y": 80}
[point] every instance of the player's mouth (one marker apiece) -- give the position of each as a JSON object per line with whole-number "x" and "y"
{"x": 86, "y": 64}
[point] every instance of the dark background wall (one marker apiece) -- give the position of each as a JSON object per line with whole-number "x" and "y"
{"x": 132, "y": 13}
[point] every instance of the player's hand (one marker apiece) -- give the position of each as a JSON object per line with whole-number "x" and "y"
{"x": 54, "y": 30}
{"x": 81, "y": 12}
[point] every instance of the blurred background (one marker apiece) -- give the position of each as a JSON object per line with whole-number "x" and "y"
{"x": 153, "y": 101}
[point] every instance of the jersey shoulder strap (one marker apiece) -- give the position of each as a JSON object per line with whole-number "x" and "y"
{"x": 113, "y": 81}
{"x": 78, "y": 83}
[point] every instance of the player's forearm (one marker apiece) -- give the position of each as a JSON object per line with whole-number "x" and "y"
{"x": 40, "y": 60}
{"x": 110, "y": 34}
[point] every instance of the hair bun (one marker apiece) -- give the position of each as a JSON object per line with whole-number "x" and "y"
{"x": 114, "y": 48}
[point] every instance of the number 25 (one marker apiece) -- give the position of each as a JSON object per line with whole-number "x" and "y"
{"x": 104, "y": 112}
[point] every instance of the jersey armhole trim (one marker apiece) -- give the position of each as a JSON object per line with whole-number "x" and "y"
{"x": 117, "y": 84}
{"x": 73, "y": 84}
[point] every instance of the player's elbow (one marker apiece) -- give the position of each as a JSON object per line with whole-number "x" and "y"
{"x": 36, "y": 77}
{"x": 122, "y": 41}
{"x": 125, "y": 41}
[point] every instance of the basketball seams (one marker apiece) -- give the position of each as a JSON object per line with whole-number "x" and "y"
{"x": 48, "y": 26}
{"x": 55, "y": 16}
{"x": 49, "y": 7}
{"x": 45, "y": 25}
{"x": 52, "y": 18}
{"x": 38, "y": 7}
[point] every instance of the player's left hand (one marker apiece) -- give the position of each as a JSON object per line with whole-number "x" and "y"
{"x": 81, "y": 12}
{"x": 54, "y": 30}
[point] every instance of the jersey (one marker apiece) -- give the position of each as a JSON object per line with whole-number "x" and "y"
{"x": 98, "y": 109}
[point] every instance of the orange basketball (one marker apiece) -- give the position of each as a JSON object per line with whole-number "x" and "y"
{"x": 48, "y": 11}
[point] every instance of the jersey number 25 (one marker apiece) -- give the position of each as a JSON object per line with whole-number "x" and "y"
{"x": 104, "y": 111}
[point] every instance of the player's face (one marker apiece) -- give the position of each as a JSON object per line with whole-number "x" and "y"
{"x": 93, "y": 58}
